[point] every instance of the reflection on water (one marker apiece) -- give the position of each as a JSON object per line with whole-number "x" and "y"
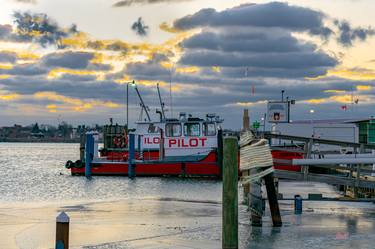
{"x": 35, "y": 172}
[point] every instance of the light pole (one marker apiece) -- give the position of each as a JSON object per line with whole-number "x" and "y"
{"x": 264, "y": 122}
{"x": 312, "y": 111}
{"x": 127, "y": 103}
{"x": 127, "y": 107}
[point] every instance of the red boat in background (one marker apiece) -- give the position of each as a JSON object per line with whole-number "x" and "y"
{"x": 187, "y": 146}
{"x": 281, "y": 155}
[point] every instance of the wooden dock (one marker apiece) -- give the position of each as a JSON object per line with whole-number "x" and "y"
{"x": 353, "y": 178}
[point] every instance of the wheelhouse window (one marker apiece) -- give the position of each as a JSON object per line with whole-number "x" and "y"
{"x": 209, "y": 129}
{"x": 153, "y": 129}
{"x": 173, "y": 130}
{"x": 192, "y": 129}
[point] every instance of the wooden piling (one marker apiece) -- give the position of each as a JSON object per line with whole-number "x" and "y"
{"x": 220, "y": 151}
{"x": 272, "y": 199}
{"x": 82, "y": 141}
{"x": 62, "y": 231}
{"x": 246, "y": 189}
{"x": 230, "y": 194}
{"x": 89, "y": 153}
{"x": 131, "y": 167}
{"x": 255, "y": 201}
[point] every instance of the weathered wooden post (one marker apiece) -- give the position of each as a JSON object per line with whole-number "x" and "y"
{"x": 230, "y": 194}
{"x": 62, "y": 231}
{"x": 82, "y": 147}
{"x": 255, "y": 200}
{"x": 246, "y": 188}
{"x": 220, "y": 151}
{"x": 131, "y": 170}
{"x": 89, "y": 151}
{"x": 272, "y": 199}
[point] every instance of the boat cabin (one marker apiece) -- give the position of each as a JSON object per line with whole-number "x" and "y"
{"x": 182, "y": 137}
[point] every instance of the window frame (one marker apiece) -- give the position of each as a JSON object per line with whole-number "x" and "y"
{"x": 155, "y": 128}
{"x": 205, "y": 131}
{"x": 166, "y": 129}
{"x": 192, "y": 123}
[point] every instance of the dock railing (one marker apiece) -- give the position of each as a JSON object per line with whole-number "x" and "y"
{"x": 352, "y": 172}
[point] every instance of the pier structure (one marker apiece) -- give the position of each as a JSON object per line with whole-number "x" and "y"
{"x": 256, "y": 166}
{"x": 351, "y": 172}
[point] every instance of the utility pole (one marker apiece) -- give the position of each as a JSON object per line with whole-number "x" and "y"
{"x": 127, "y": 106}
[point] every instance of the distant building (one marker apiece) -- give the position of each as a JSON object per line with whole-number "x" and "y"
{"x": 345, "y": 130}
{"x": 246, "y": 120}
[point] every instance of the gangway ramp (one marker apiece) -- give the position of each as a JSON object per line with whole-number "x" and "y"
{"x": 352, "y": 171}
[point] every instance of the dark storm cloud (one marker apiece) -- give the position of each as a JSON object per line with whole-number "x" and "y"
{"x": 99, "y": 67}
{"x": 5, "y": 31}
{"x": 265, "y": 60}
{"x": 71, "y": 77}
{"x": 347, "y": 34}
{"x": 127, "y": 3}
{"x": 8, "y": 57}
{"x": 73, "y": 60}
{"x": 242, "y": 42}
{"x": 99, "y": 90}
{"x": 49, "y": 32}
{"x": 25, "y": 69}
{"x": 139, "y": 27}
{"x": 275, "y": 14}
{"x": 236, "y": 72}
{"x": 268, "y": 15}
{"x": 257, "y": 37}
{"x": 69, "y": 59}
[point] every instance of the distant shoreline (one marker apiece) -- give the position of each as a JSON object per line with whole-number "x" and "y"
{"x": 23, "y": 140}
{"x": 35, "y": 140}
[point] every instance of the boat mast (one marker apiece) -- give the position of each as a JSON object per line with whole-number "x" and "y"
{"x": 161, "y": 103}
{"x": 142, "y": 103}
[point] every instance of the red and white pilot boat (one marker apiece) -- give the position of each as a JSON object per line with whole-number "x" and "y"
{"x": 187, "y": 146}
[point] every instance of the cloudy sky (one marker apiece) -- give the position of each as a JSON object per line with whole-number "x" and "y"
{"x": 71, "y": 60}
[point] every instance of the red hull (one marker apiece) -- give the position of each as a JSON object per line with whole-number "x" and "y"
{"x": 286, "y": 155}
{"x": 206, "y": 167}
{"x": 116, "y": 164}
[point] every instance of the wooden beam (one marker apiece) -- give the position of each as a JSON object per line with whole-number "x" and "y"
{"x": 317, "y": 140}
{"x": 330, "y": 179}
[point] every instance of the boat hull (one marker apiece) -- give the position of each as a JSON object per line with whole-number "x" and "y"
{"x": 208, "y": 167}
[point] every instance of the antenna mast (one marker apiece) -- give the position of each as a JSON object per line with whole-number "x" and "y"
{"x": 170, "y": 91}
{"x": 161, "y": 103}
{"x": 142, "y": 103}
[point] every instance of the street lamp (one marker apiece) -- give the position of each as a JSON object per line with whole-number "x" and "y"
{"x": 312, "y": 111}
{"x": 127, "y": 102}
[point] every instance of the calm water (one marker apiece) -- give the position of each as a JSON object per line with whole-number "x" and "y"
{"x": 36, "y": 172}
